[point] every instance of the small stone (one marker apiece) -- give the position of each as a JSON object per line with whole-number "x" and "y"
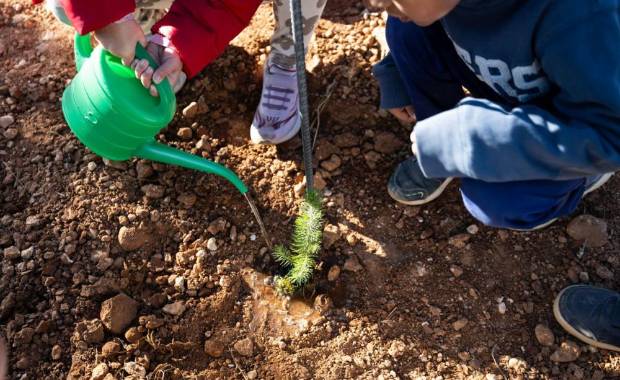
{"x": 319, "y": 182}
{"x": 351, "y": 239}
{"x": 331, "y": 234}
{"x": 91, "y": 331}
{"x": 588, "y": 229}
{"x": 544, "y": 335}
{"x": 456, "y": 271}
{"x": 24, "y": 336}
{"x": 144, "y": 169}
{"x": 99, "y": 371}
{"x": 153, "y": 191}
{"x": 56, "y": 352}
{"x": 332, "y": 164}
{"x": 473, "y": 229}
{"x": 11, "y": 252}
{"x": 352, "y": 264}
{"x": 175, "y": 308}
{"x": 252, "y": 375}
{"x": 131, "y": 238}
{"x": 501, "y": 308}
{"x": 185, "y": 133}
{"x": 244, "y": 347}
{"x": 179, "y": 284}
{"x": 397, "y": 348}
{"x": 584, "y": 277}
{"x": 151, "y": 322}
{"x": 10, "y": 133}
{"x": 190, "y": 110}
{"x": 135, "y": 370}
{"x": 214, "y": 348}
{"x": 333, "y": 273}
{"x": 212, "y": 244}
{"x": 187, "y": 199}
{"x": 459, "y": 241}
{"x": 217, "y": 226}
{"x": 387, "y": 143}
{"x": 110, "y": 349}
{"x": 460, "y": 324}
{"x": 23, "y": 363}
{"x": 91, "y": 166}
{"x": 568, "y": 352}
{"x": 133, "y": 335}
{"x": 27, "y": 253}
{"x": 516, "y": 364}
{"x": 6, "y": 121}
{"x": 601, "y": 270}
{"x": 118, "y": 312}
{"x": 346, "y": 140}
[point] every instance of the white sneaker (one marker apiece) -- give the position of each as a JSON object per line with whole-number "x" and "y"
{"x": 277, "y": 118}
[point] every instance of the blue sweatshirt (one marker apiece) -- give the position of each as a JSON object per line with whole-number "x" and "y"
{"x": 565, "y": 53}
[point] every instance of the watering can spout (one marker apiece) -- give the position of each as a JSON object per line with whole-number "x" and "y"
{"x": 155, "y": 151}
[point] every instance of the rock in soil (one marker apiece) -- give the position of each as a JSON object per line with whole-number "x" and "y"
{"x": 331, "y": 234}
{"x": 133, "y": 335}
{"x": 334, "y": 273}
{"x": 56, "y": 352}
{"x": 568, "y": 352}
{"x": 588, "y": 229}
{"x": 352, "y": 264}
{"x": 185, "y": 133}
{"x": 175, "y": 308}
{"x": 332, "y": 164}
{"x": 214, "y": 348}
{"x": 153, "y": 191}
{"x": 91, "y": 331}
{"x": 6, "y": 121}
{"x": 99, "y": 371}
{"x": 460, "y": 324}
{"x": 118, "y": 312}
{"x": 134, "y": 369}
{"x": 191, "y": 110}
{"x": 544, "y": 335}
{"x": 387, "y": 143}
{"x": 131, "y": 238}
{"x": 110, "y": 349}
{"x": 244, "y": 347}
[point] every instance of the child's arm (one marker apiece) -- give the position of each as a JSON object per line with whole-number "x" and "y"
{"x": 394, "y": 97}
{"x": 200, "y": 30}
{"x": 577, "y": 137}
{"x": 113, "y": 24}
{"x": 90, "y": 15}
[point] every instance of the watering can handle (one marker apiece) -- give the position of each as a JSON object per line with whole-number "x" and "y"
{"x": 82, "y": 50}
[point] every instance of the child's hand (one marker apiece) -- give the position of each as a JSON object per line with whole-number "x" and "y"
{"x": 405, "y": 115}
{"x": 120, "y": 38}
{"x": 170, "y": 66}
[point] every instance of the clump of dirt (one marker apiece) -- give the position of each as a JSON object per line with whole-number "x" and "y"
{"x": 399, "y": 292}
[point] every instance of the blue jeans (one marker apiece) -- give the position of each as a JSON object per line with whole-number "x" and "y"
{"x": 434, "y": 77}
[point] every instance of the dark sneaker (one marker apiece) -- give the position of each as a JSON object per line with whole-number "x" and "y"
{"x": 590, "y": 314}
{"x": 595, "y": 182}
{"x": 409, "y": 186}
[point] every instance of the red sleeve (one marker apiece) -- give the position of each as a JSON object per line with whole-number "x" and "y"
{"x": 89, "y": 15}
{"x": 200, "y": 30}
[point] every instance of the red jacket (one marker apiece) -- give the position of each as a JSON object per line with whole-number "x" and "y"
{"x": 200, "y": 30}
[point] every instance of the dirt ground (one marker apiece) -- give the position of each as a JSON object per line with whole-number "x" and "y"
{"x": 400, "y": 292}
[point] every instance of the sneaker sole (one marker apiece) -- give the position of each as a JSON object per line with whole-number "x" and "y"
{"x": 571, "y": 330}
{"x": 606, "y": 177}
{"x": 434, "y": 195}
{"x": 259, "y": 140}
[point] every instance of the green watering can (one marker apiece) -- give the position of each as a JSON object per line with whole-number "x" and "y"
{"x": 111, "y": 113}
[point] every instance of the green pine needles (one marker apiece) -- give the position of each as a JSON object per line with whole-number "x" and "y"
{"x": 300, "y": 259}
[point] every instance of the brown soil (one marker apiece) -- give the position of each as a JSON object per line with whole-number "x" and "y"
{"x": 417, "y": 295}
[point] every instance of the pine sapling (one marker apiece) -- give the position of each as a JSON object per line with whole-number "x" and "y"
{"x": 300, "y": 259}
